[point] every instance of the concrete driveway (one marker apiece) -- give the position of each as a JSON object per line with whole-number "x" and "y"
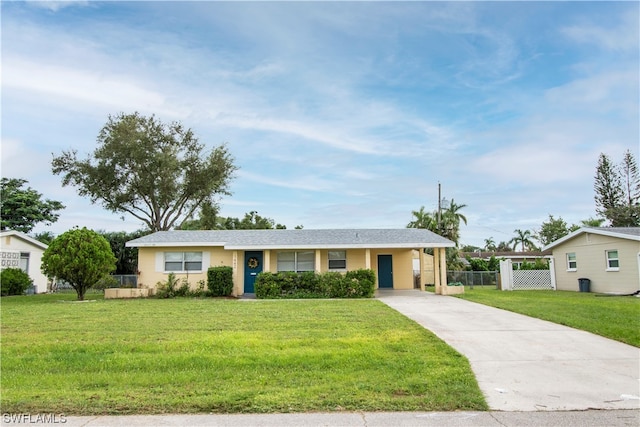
{"x": 526, "y": 364}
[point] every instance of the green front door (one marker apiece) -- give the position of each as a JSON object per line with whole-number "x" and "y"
{"x": 252, "y": 266}
{"x": 385, "y": 271}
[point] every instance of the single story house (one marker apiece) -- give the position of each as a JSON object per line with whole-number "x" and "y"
{"x": 17, "y": 250}
{"x": 608, "y": 256}
{"x": 189, "y": 254}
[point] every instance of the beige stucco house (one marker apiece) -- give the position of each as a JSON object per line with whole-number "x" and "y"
{"x": 608, "y": 256}
{"x": 17, "y": 250}
{"x": 189, "y": 254}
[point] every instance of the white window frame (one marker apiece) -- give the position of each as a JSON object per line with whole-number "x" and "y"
{"x": 186, "y": 258}
{"x": 610, "y": 260}
{"x": 339, "y": 259}
{"x": 574, "y": 261}
{"x": 285, "y": 264}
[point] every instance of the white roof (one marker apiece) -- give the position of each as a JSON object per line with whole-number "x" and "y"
{"x": 296, "y": 239}
{"x": 630, "y": 233}
{"x": 7, "y": 233}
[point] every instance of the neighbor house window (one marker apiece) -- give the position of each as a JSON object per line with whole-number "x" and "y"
{"x": 572, "y": 263}
{"x": 24, "y": 261}
{"x": 183, "y": 261}
{"x": 297, "y": 261}
{"x": 613, "y": 263}
{"x": 337, "y": 260}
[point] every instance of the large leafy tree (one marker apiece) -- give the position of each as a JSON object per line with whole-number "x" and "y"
{"x": 80, "y": 257}
{"x": 552, "y": 230}
{"x": 617, "y": 191}
{"x": 252, "y": 221}
{"x": 126, "y": 258}
{"x": 210, "y": 220}
{"x": 22, "y": 208}
{"x": 156, "y": 172}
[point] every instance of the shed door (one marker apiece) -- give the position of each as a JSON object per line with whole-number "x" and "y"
{"x": 252, "y": 266}
{"x": 385, "y": 271}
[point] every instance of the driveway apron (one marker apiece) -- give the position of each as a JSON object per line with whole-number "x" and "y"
{"x": 527, "y": 364}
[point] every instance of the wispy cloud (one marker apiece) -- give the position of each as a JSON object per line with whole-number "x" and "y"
{"x": 341, "y": 114}
{"x": 619, "y": 35}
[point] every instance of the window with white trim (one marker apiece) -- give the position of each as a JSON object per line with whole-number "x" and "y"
{"x": 572, "y": 262}
{"x": 183, "y": 261}
{"x": 297, "y": 261}
{"x": 337, "y": 260}
{"x": 613, "y": 262}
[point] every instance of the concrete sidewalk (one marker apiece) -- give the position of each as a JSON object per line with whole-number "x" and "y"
{"x": 526, "y": 364}
{"x": 615, "y": 418}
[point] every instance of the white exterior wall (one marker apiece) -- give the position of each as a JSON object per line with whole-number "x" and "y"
{"x": 14, "y": 243}
{"x": 592, "y": 264}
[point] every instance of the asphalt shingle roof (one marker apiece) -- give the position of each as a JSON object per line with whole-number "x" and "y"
{"x": 296, "y": 239}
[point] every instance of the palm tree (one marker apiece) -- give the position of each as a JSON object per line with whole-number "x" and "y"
{"x": 423, "y": 219}
{"x": 450, "y": 222}
{"x": 490, "y": 244}
{"x": 453, "y": 211}
{"x": 522, "y": 237}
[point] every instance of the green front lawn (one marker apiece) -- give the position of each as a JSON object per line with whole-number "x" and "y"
{"x": 617, "y": 318}
{"x": 214, "y": 355}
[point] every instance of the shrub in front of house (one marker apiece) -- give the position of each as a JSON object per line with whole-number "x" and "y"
{"x": 362, "y": 283}
{"x": 353, "y": 284}
{"x": 14, "y": 281}
{"x": 220, "y": 281}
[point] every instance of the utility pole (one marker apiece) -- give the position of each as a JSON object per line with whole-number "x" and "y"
{"x": 439, "y": 207}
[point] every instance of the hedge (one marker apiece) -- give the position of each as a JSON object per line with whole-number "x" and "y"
{"x": 220, "y": 281}
{"x": 353, "y": 284}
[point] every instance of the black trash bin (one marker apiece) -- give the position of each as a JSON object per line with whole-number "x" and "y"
{"x": 584, "y": 284}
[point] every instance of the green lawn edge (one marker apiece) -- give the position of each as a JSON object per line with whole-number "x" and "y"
{"x": 185, "y": 355}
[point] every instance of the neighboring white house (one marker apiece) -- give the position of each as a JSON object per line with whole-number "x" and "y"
{"x": 17, "y": 250}
{"x": 608, "y": 256}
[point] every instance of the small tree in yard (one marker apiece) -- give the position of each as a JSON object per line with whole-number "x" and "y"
{"x": 80, "y": 257}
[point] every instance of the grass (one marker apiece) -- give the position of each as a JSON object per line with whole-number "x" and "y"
{"x": 149, "y": 356}
{"x": 617, "y": 318}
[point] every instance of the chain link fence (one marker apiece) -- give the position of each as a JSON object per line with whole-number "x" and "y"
{"x": 474, "y": 278}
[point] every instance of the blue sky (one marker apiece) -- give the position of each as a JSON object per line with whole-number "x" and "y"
{"x": 338, "y": 114}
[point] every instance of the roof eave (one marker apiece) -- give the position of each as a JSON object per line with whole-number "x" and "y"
{"x": 343, "y": 246}
{"x": 592, "y": 231}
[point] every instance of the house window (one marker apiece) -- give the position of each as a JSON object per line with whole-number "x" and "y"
{"x": 24, "y": 261}
{"x": 183, "y": 261}
{"x": 337, "y": 260}
{"x": 613, "y": 263}
{"x": 297, "y": 261}
{"x": 572, "y": 262}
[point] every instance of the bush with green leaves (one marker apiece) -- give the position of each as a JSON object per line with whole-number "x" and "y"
{"x": 287, "y": 284}
{"x": 80, "y": 257}
{"x": 362, "y": 283}
{"x": 220, "y": 281}
{"x": 14, "y": 281}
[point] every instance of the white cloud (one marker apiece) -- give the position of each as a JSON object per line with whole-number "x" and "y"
{"x": 78, "y": 88}
{"x": 618, "y": 36}
{"x": 55, "y": 5}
